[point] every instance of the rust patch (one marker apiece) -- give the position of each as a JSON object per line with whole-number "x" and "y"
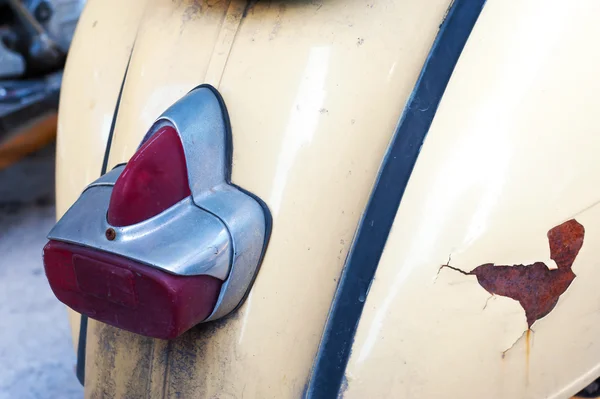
{"x": 536, "y": 287}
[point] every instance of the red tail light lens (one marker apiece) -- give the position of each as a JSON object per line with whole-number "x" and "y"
{"x": 126, "y": 294}
{"x": 164, "y": 242}
{"x": 120, "y": 291}
{"x": 154, "y": 179}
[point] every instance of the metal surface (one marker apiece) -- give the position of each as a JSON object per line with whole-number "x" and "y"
{"x": 202, "y": 122}
{"x": 218, "y": 231}
{"x": 199, "y": 116}
{"x": 108, "y": 179}
{"x": 183, "y": 240}
{"x": 247, "y": 223}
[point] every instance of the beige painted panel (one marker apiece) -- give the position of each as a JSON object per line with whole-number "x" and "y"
{"x": 512, "y": 152}
{"x": 314, "y": 91}
{"x": 172, "y": 53}
{"x": 92, "y": 79}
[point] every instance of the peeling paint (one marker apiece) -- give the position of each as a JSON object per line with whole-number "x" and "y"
{"x": 535, "y": 286}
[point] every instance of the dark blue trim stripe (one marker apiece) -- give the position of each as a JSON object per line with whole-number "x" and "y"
{"x": 334, "y": 351}
{"x": 81, "y": 344}
{"x": 83, "y": 324}
{"x": 111, "y": 132}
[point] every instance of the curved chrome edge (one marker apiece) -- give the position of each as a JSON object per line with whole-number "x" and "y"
{"x": 237, "y": 221}
{"x": 244, "y": 219}
{"x": 108, "y": 179}
{"x": 202, "y": 122}
{"x": 162, "y": 241}
{"x": 199, "y": 120}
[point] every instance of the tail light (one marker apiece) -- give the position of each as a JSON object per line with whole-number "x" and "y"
{"x": 154, "y": 180}
{"x": 166, "y": 241}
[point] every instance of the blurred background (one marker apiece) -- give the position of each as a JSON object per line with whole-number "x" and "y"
{"x": 37, "y": 356}
{"x": 36, "y": 352}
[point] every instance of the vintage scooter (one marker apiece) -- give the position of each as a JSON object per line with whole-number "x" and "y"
{"x": 321, "y": 199}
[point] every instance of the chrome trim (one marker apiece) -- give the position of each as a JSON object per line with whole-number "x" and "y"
{"x": 183, "y": 240}
{"x": 198, "y": 118}
{"x": 219, "y": 230}
{"x": 245, "y": 221}
{"x": 108, "y": 179}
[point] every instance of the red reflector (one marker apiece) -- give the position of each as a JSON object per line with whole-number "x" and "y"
{"x": 104, "y": 281}
{"x": 154, "y": 179}
{"x": 126, "y": 294}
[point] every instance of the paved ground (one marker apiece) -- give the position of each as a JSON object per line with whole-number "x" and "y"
{"x": 36, "y": 355}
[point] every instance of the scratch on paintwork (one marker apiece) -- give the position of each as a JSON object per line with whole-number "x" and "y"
{"x": 595, "y": 203}
{"x": 505, "y": 351}
{"x": 447, "y": 264}
{"x": 487, "y": 300}
{"x": 536, "y": 287}
{"x": 528, "y": 340}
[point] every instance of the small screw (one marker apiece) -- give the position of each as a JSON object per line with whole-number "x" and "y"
{"x": 111, "y": 234}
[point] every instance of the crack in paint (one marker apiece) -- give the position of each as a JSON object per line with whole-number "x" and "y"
{"x": 487, "y": 300}
{"x": 516, "y": 341}
{"x": 536, "y": 287}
